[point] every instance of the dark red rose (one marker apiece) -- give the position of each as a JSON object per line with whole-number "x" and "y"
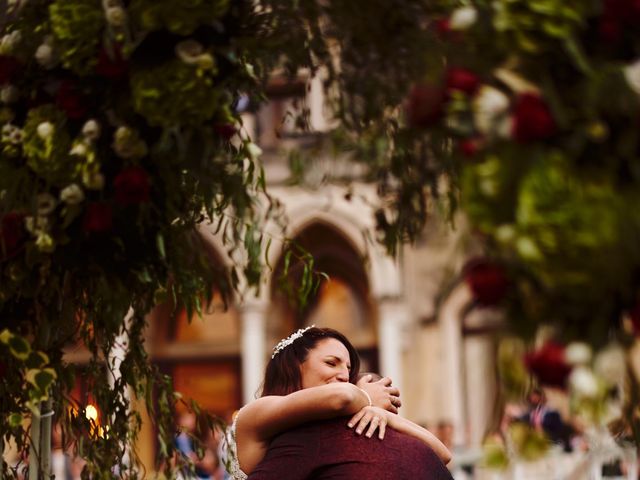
{"x": 112, "y": 65}
{"x": 610, "y": 31}
{"x": 98, "y": 218}
{"x": 470, "y": 146}
{"x": 625, "y": 12}
{"x": 532, "y": 119}
{"x": 443, "y": 27}
{"x": 487, "y": 280}
{"x": 12, "y": 233}
{"x": 424, "y": 106}
{"x": 69, "y": 99}
{"x": 132, "y": 186}
{"x": 9, "y": 68}
{"x": 635, "y": 319}
{"x": 548, "y": 364}
{"x": 462, "y": 80}
{"x": 225, "y": 130}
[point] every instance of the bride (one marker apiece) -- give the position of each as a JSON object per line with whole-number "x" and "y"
{"x": 312, "y": 376}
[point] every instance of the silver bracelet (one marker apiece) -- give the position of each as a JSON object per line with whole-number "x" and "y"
{"x": 367, "y": 395}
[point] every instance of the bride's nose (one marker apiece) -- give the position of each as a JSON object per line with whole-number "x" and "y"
{"x": 343, "y": 376}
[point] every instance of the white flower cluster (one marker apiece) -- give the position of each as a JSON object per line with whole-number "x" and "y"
{"x": 285, "y": 342}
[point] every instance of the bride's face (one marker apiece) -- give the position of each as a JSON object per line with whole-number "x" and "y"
{"x": 328, "y": 362}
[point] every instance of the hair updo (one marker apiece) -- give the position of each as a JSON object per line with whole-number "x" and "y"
{"x": 283, "y": 375}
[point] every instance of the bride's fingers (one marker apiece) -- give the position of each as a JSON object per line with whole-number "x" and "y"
{"x": 375, "y": 423}
{"x": 382, "y": 429}
{"x": 366, "y": 420}
{"x": 356, "y": 418}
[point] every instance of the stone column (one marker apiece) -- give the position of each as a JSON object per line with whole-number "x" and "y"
{"x": 393, "y": 318}
{"x": 252, "y": 346}
{"x": 452, "y": 379}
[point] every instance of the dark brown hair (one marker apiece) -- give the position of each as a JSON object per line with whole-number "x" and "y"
{"x": 283, "y": 376}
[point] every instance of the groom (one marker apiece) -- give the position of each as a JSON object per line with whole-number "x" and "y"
{"x": 328, "y": 450}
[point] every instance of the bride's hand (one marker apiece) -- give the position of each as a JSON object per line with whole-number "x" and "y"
{"x": 373, "y": 417}
{"x": 382, "y": 393}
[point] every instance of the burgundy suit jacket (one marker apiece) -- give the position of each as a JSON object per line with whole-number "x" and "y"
{"x": 329, "y": 450}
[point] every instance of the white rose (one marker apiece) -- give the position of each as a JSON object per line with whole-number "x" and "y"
{"x": 584, "y": 383}
{"x": 632, "y": 74}
{"x": 9, "y": 94}
{"x": 116, "y": 16}
{"x": 9, "y": 41}
{"x": 489, "y": 107}
{"x": 45, "y": 130}
{"x": 91, "y": 130}
{"x": 578, "y": 353}
{"x": 79, "y": 149}
{"x": 72, "y": 194}
{"x": 610, "y": 364}
{"x": 45, "y": 203}
{"x": 44, "y": 55}
{"x": 462, "y": 18}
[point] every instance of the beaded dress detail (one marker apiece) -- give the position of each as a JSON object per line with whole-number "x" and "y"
{"x": 234, "y": 465}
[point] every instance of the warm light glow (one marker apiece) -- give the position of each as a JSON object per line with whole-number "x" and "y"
{"x": 91, "y": 413}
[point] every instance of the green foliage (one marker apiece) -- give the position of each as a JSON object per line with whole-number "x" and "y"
{"x": 77, "y": 27}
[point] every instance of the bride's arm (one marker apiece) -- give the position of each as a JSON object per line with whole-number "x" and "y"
{"x": 364, "y": 418}
{"x": 270, "y": 415}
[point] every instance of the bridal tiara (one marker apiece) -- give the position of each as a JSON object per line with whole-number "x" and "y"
{"x": 285, "y": 342}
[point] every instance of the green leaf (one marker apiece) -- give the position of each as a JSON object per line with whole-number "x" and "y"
{"x": 19, "y": 347}
{"x": 15, "y": 420}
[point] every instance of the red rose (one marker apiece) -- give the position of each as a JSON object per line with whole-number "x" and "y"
{"x": 532, "y": 119}
{"x": 462, "y": 80}
{"x": 635, "y": 319}
{"x": 70, "y": 101}
{"x": 9, "y": 67}
{"x": 132, "y": 186}
{"x": 470, "y": 146}
{"x": 487, "y": 280}
{"x": 424, "y": 106}
{"x": 443, "y": 27}
{"x": 98, "y": 218}
{"x": 548, "y": 364}
{"x": 626, "y": 12}
{"x": 111, "y": 65}
{"x": 610, "y": 31}
{"x": 12, "y": 233}
{"x": 225, "y": 130}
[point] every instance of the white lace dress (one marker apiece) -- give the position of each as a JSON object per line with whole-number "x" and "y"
{"x": 233, "y": 465}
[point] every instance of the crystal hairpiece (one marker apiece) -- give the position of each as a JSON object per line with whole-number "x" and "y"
{"x": 285, "y": 342}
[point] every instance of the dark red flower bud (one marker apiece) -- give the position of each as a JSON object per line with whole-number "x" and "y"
{"x": 424, "y": 106}
{"x": 487, "y": 280}
{"x": 98, "y": 218}
{"x": 634, "y": 314}
{"x": 132, "y": 186}
{"x": 443, "y": 27}
{"x": 225, "y": 130}
{"x": 624, "y": 12}
{"x": 12, "y": 234}
{"x": 111, "y": 64}
{"x": 470, "y": 146}
{"x": 532, "y": 119}
{"x": 548, "y": 364}
{"x": 9, "y": 68}
{"x": 610, "y": 31}
{"x": 462, "y": 80}
{"x": 69, "y": 99}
